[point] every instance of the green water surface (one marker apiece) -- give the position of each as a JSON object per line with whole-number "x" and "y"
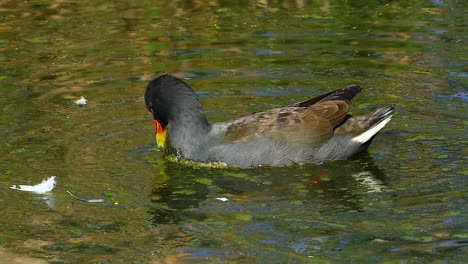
{"x": 405, "y": 201}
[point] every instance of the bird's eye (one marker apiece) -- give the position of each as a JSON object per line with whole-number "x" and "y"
{"x": 150, "y": 107}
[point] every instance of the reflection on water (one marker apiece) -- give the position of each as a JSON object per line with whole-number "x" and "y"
{"x": 178, "y": 198}
{"x": 340, "y": 185}
{"x": 403, "y": 201}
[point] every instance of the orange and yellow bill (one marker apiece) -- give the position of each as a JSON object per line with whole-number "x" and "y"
{"x": 160, "y": 134}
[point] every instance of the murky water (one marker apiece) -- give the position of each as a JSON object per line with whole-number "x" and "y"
{"x": 403, "y": 202}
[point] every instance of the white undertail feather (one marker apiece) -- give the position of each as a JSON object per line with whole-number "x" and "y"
{"x": 364, "y": 137}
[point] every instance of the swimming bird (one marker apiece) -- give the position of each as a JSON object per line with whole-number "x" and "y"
{"x": 312, "y": 131}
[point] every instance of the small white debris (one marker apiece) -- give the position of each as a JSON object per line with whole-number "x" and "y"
{"x": 81, "y": 102}
{"x": 46, "y": 185}
{"x": 222, "y": 199}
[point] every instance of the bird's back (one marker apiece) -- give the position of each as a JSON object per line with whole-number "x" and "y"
{"x": 303, "y": 132}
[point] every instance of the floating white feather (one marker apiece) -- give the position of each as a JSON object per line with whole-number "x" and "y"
{"x": 46, "y": 185}
{"x": 81, "y": 102}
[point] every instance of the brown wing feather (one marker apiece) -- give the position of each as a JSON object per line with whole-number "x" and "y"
{"x": 310, "y": 121}
{"x": 292, "y": 124}
{"x": 340, "y": 94}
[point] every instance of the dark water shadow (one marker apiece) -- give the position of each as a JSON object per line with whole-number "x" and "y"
{"x": 340, "y": 186}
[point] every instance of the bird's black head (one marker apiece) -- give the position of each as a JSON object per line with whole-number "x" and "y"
{"x": 170, "y": 99}
{"x": 155, "y": 100}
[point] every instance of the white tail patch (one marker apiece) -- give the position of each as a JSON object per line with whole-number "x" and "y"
{"x": 364, "y": 137}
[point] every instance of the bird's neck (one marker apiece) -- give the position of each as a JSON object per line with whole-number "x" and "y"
{"x": 188, "y": 132}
